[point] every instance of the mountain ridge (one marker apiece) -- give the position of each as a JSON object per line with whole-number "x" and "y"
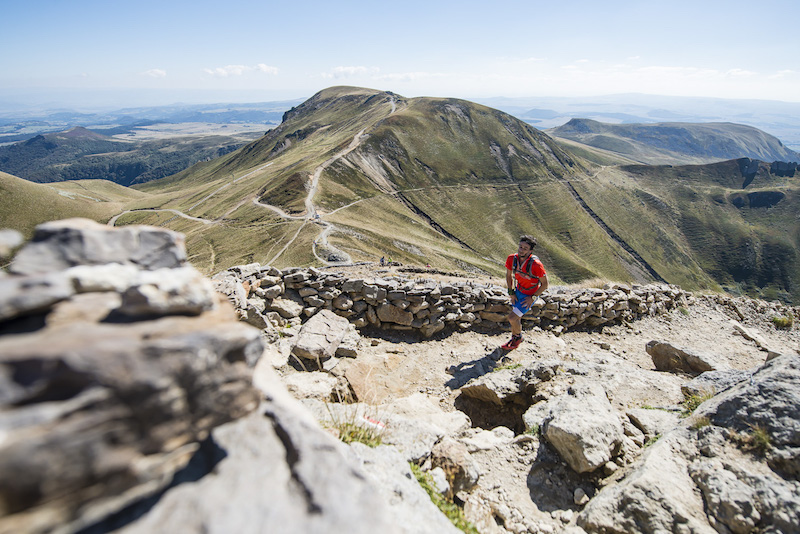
{"x": 677, "y": 142}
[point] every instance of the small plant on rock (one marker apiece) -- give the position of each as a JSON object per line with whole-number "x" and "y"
{"x": 651, "y": 440}
{"x": 355, "y": 426}
{"x": 453, "y": 512}
{"x": 693, "y": 401}
{"x": 701, "y": 422}
{"x": 757, "y": 440}
{"x": 782, "y": 322}
{"x": 507, "y": 366}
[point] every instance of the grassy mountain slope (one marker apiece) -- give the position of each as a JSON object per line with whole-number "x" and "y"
{"x": 676, "y": 142}
{"x": 700, "y": 228}
{"x": 438, "y": 181}
{"x": 24, "y": 204}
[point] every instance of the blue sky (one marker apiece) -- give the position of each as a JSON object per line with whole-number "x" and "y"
{"x": 143, "y": 52}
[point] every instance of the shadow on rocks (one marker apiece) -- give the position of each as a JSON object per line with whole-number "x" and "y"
{"x": 466, "y": 371}
{"x": 551, "y": 483}
{"x": 202, "y": 463}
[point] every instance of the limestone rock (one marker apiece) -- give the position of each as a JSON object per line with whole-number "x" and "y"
{"x": 410, "y": 507}
{"x": 9, "y": 240}
{"x": 653, "y": 423}
{"x": 583, "y": 428}
{"x": 168, "y": 292}
{"x": 389, "y": 313}
{"x": 714, "y": 382}
{"x": 667, "y": 357}
{"x": 456, "y": 461}
{"x": 119, "y": 407}
{"x": 287, "y": 308}
{"x": 58, "y": 245}
{"x": 321, "y": 336}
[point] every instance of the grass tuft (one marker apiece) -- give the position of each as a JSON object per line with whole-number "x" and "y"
{"x": 784, "y": 323}
{"x": 453, "y": 512}
{"x": 355, "y": 426}
{"x": 757, "y": 440}
{"x": 693, "y": 401}
{"x": 701, "y": 422}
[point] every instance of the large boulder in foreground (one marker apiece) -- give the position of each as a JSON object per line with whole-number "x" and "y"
{"x": 128, "y": 403}
{"x": 58, "y": 245}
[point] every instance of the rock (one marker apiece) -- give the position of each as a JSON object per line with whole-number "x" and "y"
{"x": 279, "y": 472}
{"x": 752, "y": 335}
{"x": 321, "y": 336}
{"x": 653, "y": 423}
{"x": 97, "y": 415}
{"x": 583, "y": 428}
{"x": 9, "y": 240}
{"x": 230, "y": 286}
{"x": 484, "y": 440}
{"x": 667, "y": 357}
{"x": 58, "y": 245}
{"x": 313, "y": 385}
{"x": 287, "y": 308}
{"x": 702, "y": 481}
{"x": 410, "y": 508}
{"x": 348, "y": 348}
{"x": 498, "y": 387}
{"x": 392, "y": 314}
{"x": 168, "y": 292}
{"x": 457, "y": 463}
{"x": 27, "y": 295}
{"x": 579, "y": 497}
{"x": 770, "y": 400}
{"x": 440, "y": 482}
{"x": 713, "y": 382}
{"x": 654, "y": 498}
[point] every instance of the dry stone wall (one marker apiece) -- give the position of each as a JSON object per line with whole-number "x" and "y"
{"x": 264, "y": 296}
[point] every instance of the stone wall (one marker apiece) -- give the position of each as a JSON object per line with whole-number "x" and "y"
{"x": 265, "y": 296}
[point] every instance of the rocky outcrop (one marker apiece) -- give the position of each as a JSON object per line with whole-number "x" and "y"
{"x": 732, "y": 467}
{"x": 128, "y": 401}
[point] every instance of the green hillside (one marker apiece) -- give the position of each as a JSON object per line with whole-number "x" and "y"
{"x": 675, "y": 142}
{"x": 24, "y": 204}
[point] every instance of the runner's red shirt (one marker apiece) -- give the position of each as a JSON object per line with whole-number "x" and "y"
{"x": 526, "y": 284}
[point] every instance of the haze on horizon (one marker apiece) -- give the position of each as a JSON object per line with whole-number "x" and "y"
{"x": 94, "y": 53}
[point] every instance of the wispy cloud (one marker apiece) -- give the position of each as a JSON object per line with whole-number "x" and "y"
{"x": 782, "y": 74}
{"x": 409, "y": 76}
{"x": 155, "y": 73}
{"x": 239, "y": 70}
{"x": 349, "y": 71}
{"x": 740, "y": 73}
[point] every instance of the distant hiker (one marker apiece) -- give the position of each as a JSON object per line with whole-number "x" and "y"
{"x": 383, "y": 261}
{"x": 526, "y": 280}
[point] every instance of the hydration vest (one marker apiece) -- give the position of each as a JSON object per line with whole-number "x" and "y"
{"x": 527, "y": 264}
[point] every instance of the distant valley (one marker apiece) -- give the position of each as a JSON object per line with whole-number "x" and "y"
{"x": 355, "y": 174}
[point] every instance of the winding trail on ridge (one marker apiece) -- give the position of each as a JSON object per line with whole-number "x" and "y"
{"x": 311, "y": 211}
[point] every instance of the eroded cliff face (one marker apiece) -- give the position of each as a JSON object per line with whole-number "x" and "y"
{"x": 135, "y": 396}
